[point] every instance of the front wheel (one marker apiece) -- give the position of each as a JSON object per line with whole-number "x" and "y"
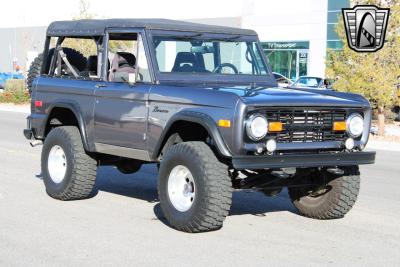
{"x": 194, "y": 188}
{"x": 332, "y": 200}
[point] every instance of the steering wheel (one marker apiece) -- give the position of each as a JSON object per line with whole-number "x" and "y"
{"x": 223, "y": 65}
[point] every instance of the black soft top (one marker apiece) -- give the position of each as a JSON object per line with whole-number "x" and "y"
{"x": 97, "y": 27}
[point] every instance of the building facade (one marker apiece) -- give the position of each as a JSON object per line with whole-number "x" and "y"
{"x": 295, "y": 34}
{"x": 19, "y": 46}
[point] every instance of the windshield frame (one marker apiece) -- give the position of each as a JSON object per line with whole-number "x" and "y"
{"x": 265, "y": 79}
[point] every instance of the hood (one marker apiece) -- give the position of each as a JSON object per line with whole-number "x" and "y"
{"x": 273, "y": 96}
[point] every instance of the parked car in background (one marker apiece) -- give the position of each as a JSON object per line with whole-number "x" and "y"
{"x": 396, "y": 111}
{"x": 311, "y": 82}
{"x": 2, "y": 83}
{"x": 9, "y": 75}
{"x": 282, "y": 80}
{"x": 396, "y": 108}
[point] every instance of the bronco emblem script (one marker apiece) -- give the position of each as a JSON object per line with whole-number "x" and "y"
{"x": 365, "y": 27}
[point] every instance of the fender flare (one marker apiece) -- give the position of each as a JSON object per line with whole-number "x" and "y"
{"x": 74, "y": 108}
{"x": 196, "y": 117}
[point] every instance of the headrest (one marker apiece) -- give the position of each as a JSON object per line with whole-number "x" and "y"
{"x": 185, "y": 57}
{"x": 126, "y": 59}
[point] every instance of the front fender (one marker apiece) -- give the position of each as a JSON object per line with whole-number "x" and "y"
{"x": 196, "y": 117}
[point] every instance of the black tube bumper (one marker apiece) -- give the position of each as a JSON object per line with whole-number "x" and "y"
{"x": 303, "y": 160}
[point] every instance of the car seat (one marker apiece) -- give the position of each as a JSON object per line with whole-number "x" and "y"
{"x": 122, "y": 64}
{"x": 188, "y": 62}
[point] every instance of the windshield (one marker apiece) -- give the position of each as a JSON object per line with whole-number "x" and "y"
{"x": 187, "y": 55}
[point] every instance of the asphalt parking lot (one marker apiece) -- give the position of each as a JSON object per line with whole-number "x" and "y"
{"x": 122, "y": 224}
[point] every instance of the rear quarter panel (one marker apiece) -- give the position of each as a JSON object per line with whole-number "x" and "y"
{"x": 54, "y": 92}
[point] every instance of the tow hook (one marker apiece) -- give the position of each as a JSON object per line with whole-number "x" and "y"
{"x": 36, "y": 143}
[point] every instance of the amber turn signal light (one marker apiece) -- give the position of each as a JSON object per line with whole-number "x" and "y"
{"x": 224, "y": 123}
{"x": 339, "y": 126}
{"x": 275, "y": 126}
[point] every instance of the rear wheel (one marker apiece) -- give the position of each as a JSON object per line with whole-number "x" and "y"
{"x": 68, "y": 172}
{"x": 332, "y": 200}
{"x": 194, "y": 188}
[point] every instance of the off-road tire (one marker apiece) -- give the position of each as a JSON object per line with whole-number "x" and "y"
{"x": 34, "y": 71}
{"x": 75, "y": 58}
{"x": 80, "y": 176}
{"x": 336, "y": 202}
{"x": 213, "y": 184}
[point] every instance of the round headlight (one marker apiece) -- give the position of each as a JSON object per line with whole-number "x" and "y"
{"x": 256, "y": 127}
{"x": 355, "y": 125}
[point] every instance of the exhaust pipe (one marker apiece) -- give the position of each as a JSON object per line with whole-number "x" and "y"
{"x": 36, "y": 143}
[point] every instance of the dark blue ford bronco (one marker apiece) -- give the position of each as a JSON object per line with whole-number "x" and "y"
{"x": 201, "y": 102}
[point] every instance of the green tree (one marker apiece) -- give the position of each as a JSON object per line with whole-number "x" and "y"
{"x": 86, "y": 46}
{"x": 373, "y": 75}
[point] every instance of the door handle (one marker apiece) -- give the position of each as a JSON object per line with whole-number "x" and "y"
{"x": 100, "y": 85}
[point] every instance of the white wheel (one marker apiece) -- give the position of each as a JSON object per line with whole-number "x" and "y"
{"x": 194, "y": 188}
{"x": 69, "y": 173}
{"x": 57, "y": 164}
{"x": 181, "y": 188}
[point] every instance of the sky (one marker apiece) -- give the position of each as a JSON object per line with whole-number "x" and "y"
{"x": 41, "y": 12}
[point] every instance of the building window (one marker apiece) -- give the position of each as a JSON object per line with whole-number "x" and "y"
{"x": 337, "y": 4}
{"x": 288, "y": 58}
{"x": 334, "y": 12}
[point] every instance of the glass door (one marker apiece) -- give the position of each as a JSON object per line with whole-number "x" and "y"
{"x": 302, "y": 62}
{"x": 288, "y": 58}
{"x": 283, "y": 62}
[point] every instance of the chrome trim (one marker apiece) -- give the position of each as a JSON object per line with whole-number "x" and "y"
{"x": 122, "y": 151}
{"x": 349, "y": 118}
{"x": 248, "y": 126}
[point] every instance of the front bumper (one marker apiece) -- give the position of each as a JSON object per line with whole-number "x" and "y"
{"x": 303, "y": 160}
